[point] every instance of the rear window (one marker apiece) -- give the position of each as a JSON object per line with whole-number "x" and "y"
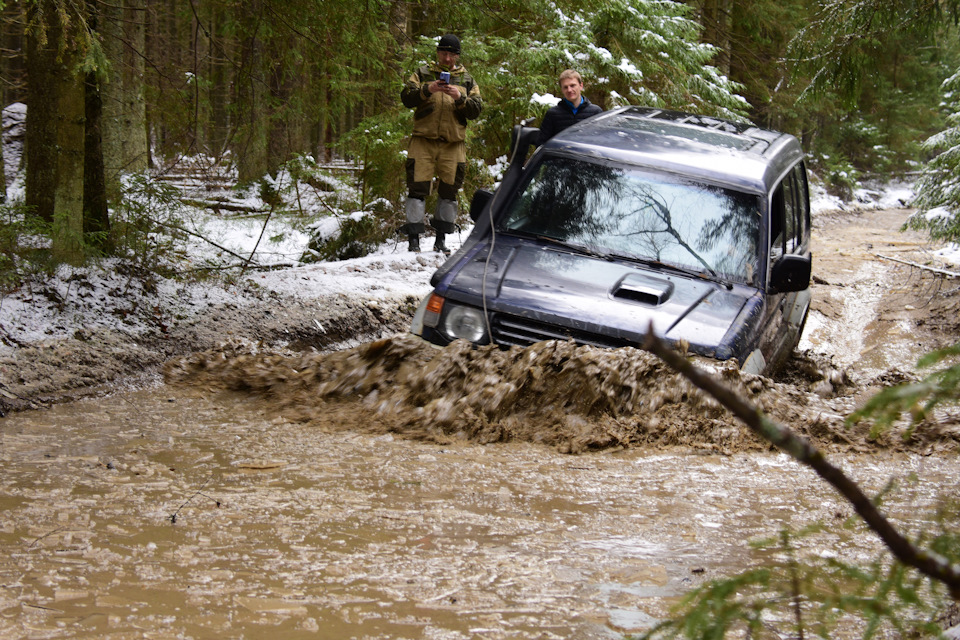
{"x": 640, "y": 214}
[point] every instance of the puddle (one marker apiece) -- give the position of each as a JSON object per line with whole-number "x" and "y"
{"x": 186, "y": 512}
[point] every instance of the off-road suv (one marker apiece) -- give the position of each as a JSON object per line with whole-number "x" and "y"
{"x": 638, "y": 216}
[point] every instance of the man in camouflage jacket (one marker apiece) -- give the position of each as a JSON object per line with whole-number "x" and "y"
{"x": 444, "y": 97}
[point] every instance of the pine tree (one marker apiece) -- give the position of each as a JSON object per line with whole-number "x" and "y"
{"x": 938, "y": 190}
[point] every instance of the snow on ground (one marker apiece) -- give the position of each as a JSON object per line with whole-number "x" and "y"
{"x": 390, "y": 272}
{"x": 102, "y": 297}
{"x": 950, "y": 253}
{"x": 98, "y": 298}
{"x": 893, "y": 195}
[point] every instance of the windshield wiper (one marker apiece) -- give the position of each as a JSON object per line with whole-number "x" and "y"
{"x": 666, "y": 266}
{"x": 577, "y": 248}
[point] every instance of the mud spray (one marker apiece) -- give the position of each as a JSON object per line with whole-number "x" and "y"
{"x": 574, "y": 398}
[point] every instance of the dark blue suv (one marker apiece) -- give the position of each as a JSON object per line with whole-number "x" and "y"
{"x": 638, "y": 216}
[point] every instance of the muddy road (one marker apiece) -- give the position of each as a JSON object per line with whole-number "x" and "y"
{"x": 390, "y": 490}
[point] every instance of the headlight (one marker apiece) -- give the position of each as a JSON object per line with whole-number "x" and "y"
{"x": 464, "y": 322}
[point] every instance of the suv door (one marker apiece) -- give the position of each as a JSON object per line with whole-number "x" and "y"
{"x": 789, "y": 235}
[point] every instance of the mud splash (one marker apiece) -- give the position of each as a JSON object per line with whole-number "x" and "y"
{"x": 574, "y": 398}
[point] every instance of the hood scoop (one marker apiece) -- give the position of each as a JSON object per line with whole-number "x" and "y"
{"x": 643, "y": 289}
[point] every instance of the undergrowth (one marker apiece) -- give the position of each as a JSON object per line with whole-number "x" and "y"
{"x": 24, "y": 247}
{"x": 802, "y": 594}
{"x": 147, "y": 225}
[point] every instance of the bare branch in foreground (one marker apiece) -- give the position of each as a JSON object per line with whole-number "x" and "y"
{"x": 928, "y": 563}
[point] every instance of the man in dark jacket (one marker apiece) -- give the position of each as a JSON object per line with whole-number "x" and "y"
{"x": 572, "y": 108}
{"x": 444, "y": 97}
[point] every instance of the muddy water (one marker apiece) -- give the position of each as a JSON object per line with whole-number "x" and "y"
{"x": 180, "y": 512}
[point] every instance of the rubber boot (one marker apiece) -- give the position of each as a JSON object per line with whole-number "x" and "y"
{"x": 414, "y": 244}
{"x": 439, "y": 245}
{"x": 444, "y": 221}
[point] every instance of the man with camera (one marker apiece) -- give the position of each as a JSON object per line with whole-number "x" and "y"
{"x": 572, "y": 108}
{"x": 444, "y": 97}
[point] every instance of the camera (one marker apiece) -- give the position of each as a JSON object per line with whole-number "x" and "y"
{"x": 445, "y": 77}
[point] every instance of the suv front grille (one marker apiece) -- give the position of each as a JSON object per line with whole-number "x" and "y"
{"x": 514, "y": 330}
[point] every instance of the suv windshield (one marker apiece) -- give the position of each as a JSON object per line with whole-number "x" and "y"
{"x": 639, "y": 214}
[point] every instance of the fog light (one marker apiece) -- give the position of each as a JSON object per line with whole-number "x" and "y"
{"x": 466, "y": 323}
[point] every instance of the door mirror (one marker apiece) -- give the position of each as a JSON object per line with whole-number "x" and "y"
{"x": 481, "y": 198}
{"x": 791, "y": 273}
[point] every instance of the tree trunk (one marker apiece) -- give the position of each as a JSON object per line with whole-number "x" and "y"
{"x": 68, "y": 191}
{"x": 281, "y": 123}
{"x": 111, "y": 29}
{"x": 13, "y": 67}
{"x": 194, "y": 92}
{"x": 135, "y": 144}
{"x": 324, "y": 134}
{"x": 220, "y": 81}
{"x": 123, "y": 131}
{"x": 715, "y": 20}
{"x": 251, "y": 145}
{"x": 3, "y": 163}
{"x": 40, "y": 140}
{"x": 96, "y": 222}
{"x": 11, "y": 70}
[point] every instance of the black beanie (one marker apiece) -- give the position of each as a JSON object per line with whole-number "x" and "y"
{"x": 449, "y": 43}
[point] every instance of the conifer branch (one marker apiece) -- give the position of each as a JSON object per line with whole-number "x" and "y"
{"x": 928, "y": 563}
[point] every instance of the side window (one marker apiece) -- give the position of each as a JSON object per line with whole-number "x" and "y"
{"x": 791, "y": 230}
{"x": 790, "y": 215}
{"x": 776, "y": 224}
{"x": 803, "y": 202}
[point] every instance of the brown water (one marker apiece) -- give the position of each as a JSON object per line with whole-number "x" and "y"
{"x": 182, "y": 512}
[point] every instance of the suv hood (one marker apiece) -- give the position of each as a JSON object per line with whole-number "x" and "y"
{"x": 582, "y": 294}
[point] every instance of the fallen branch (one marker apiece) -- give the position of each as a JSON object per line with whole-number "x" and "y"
{"x": 263, "y": 230}
{"x": 216, "y": 205}
{"x": 274, "y": 266}
{"x": 208, "y": 240}
{"x": 928, "y": 563}
{"x": 943, "y": 272}
{"x": 46, "y": 535}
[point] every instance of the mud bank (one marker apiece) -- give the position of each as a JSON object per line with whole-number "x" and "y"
{"x": 574, "y": 398}
{"x": 94, "y": 361}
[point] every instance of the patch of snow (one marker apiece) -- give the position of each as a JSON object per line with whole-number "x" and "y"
{"x": 99, "y": 297}
{"x": 390, "y": 272}
{"x": 820, "y": 200}
{"x": 950, "y": 254}
{"x": 893, "y": 195}
{"x": 547, "y": 99}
